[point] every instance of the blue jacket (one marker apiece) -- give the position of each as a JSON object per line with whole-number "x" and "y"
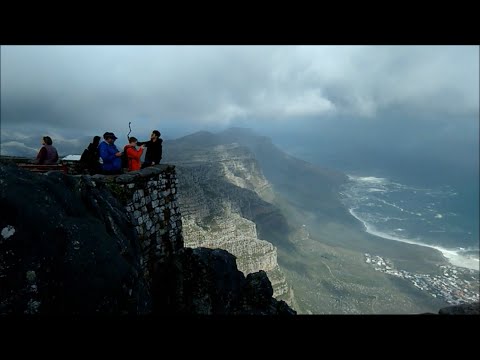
{"x": 107, "y": 153}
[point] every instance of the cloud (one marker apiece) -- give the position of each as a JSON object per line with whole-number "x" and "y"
{"x": 91, "y": 89}
{"x": 365, "y": 80}
{"x": 16, "y": 148}
{"x": 16, "y": 143}
{"x": 307, "y": 104}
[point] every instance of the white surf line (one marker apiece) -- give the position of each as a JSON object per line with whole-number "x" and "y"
{"x": 451, "y": 255}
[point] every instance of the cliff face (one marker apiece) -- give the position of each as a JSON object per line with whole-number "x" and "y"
{"x": 238, "y": 236}
{"x": 239, "y": 167}
{"x": 285, "y": 173}
{"x": 224, "y": 199}
{"x": 90, "y": 245}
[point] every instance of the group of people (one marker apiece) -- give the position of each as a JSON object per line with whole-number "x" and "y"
{"x": 114, "y": 161}
{"x": 105, "y": 158}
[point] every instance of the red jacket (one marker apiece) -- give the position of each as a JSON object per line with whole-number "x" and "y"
{"x": 133, "y": 156}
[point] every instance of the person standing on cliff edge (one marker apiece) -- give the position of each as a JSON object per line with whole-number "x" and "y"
{"x": 112, "y": 164}
{"x": 133, "y": 154}
{"x": 90, "y": 156}
{"x": 154, "y": 149}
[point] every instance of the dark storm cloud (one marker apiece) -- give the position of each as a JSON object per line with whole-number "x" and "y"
{"x": 88, "y": 89}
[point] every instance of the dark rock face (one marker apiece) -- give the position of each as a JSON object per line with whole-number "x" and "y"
{"x": 206, "y": 281}
{"x": 259, "y": 288}
{"x": 464, "y": 309}
{"x": 68, "y": 247}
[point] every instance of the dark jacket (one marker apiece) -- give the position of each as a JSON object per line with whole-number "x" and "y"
{"x": 47, "y": 155}
{"x": 110, "y": 161}
{"x": 89, "y": 159}
{"x": 154, "y": 150}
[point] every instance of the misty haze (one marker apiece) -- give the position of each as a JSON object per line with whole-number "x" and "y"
{"x": 349, "y": 174}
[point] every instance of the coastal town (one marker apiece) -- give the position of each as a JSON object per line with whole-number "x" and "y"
{"x": 453, "y": 284}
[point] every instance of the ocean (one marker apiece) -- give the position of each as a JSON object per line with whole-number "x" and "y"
{"x": 435, "y": 217}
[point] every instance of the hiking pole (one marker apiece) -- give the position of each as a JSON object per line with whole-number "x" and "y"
{"x": 128, "y": 135}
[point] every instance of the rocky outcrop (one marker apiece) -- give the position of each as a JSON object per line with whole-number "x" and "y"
{"x": 66, "y": 247}
{"x": 205, "y": 281}
{"x": 70, "y": 245}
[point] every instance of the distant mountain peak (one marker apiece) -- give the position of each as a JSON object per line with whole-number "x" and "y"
{"x": 197, "y": 134}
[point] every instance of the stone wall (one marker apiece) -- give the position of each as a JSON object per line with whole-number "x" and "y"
{"x": 150, "y": 200}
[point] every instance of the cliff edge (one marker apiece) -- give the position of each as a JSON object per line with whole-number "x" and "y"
{"x": 96, "y": 245}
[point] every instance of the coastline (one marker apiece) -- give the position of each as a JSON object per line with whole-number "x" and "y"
{"x": 452, "y": 256}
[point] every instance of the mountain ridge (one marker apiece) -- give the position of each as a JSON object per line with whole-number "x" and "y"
{"x": 321, "y": 247}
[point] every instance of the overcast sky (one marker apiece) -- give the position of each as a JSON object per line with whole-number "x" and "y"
{"x": 88, "y": 90}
